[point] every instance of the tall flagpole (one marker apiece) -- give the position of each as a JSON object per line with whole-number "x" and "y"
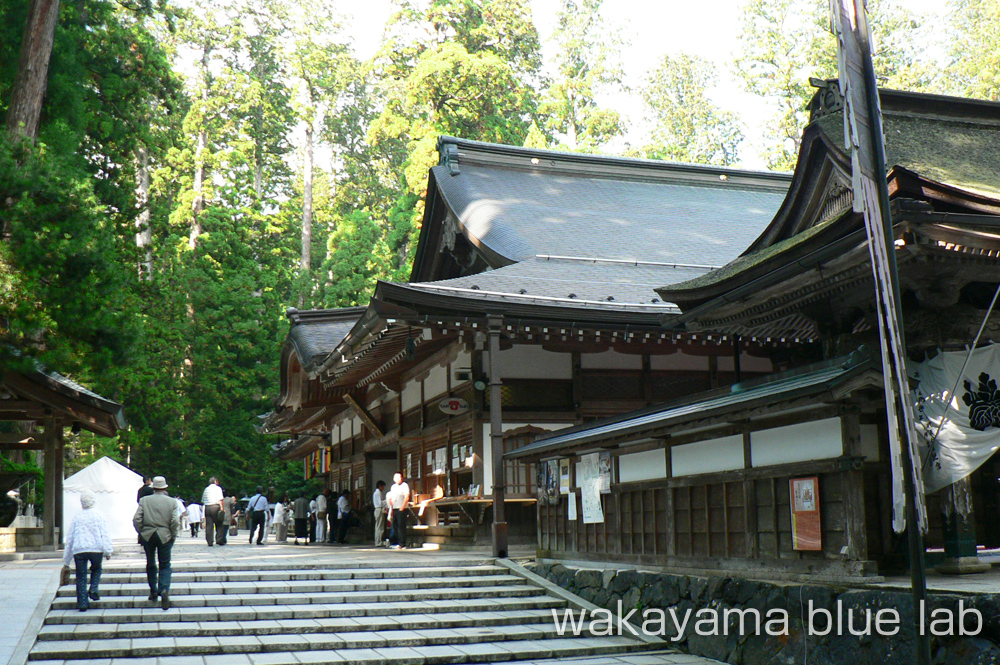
{"x": 863, "y": 127}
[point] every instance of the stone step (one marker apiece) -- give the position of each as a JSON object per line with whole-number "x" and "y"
{"x": 368, "y": 608}
{"x": 345, "y": 624}
{"x": 306, "y": 574}
{"x": 114, "y": 565}
{"x": 385, "y": 648}
{"x": 299, "y": 586}
{"x": 399, "y": 594}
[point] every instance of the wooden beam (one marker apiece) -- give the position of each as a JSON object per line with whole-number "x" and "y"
{"x": 32, "y": 445}
{"x": 365, "y": 417}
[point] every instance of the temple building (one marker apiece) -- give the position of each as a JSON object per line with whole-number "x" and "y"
{"x": 557, "y": 254}
{"x": 686, "y": 356}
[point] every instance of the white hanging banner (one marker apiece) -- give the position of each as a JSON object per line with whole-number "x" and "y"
{"x": 966, "y": 424}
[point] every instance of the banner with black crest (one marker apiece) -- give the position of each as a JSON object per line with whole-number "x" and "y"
{"x": 958, "y": 431}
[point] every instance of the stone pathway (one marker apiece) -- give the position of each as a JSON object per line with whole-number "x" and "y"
{"x": 26, "y": 589}
{"x": 285, "y": 605}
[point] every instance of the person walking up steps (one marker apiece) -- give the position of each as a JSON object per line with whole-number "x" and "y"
{"x": 257, "y": 509}
{"x": 88, "y": 540}
{"x": 211, "y": 498}
{"x": 195, "y": 514}
{"x": 158, "y": 521}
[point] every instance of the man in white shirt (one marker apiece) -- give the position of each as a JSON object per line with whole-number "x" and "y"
{"x": 399, "y": 501}
{"x": 312, "y": 521}
{"x": 321, "y": 517}
{"x": 380, "y": 505}
{"x": 211, "y": 499}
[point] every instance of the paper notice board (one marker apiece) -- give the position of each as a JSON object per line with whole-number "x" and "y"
{"x": 806, "y": 531}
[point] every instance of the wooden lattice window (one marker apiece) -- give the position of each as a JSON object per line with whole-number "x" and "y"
{"x": 520, "y": 475}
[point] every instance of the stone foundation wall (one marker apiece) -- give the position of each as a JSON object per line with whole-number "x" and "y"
{"x": 21, "y": 539}
{"x": 647, "y": 590}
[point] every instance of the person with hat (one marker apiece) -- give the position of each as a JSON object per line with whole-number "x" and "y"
{"x": 87, "y": 541}
{"x": 158, "y": 521}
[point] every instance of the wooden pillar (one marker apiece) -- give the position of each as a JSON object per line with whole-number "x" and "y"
{"x": 60, "y": 474}
{"x": 494, "y": 325}
{"x": 750, "y": 499}
{"x": 51, "y": 486}
{"x": 960, "y": 554}
{"x": 854, "y": 487}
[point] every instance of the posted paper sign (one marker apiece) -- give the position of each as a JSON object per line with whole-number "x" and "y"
{"x": 564, "y": 476}
{"x": 589, "y": 478}
{"x": 572, "y": 507}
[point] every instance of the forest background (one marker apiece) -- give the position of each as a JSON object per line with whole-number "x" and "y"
{"x": 200, "y": 167}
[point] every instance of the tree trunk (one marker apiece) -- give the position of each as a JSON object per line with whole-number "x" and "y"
{"x": 198, "y": 205}
{"x": 305, "y": 264}
{"x": 143, "y": 232}
{"x": 32, "y": 69}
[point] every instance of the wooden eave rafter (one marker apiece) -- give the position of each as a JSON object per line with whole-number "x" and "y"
{"x": 63, "y": 407}
{"x": 771, "y": 309}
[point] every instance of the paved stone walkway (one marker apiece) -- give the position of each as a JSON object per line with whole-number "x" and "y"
{"x": 26, "y": 589}
{"x": 284, "y": 605}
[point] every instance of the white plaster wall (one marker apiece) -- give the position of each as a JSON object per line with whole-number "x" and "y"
{"x": 610, "y": 360}
{"x": 820, "y": 439}
{"x": 436, "y": 383}
{"x": 711, "y": 456}
{"x": 646, "y": 465}
{"x": 463, "y": 362}
{"x": 410, "y": 399}
{"x": 488, "y": 448}
{"x": 356, "y": 426}
{"x": 531, "y": 362}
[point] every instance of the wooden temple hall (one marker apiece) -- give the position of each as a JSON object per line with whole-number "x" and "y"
{"x": 674, "y": 365}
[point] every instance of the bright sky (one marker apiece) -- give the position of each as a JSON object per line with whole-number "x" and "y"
{"x": 708, "y": 28}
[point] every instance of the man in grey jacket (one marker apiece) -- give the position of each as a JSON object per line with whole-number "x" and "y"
{"x": 158, "y": 521}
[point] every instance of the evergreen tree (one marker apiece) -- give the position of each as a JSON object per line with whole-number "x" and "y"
{"x": 687, "y": 125}
{"x": 586, "y": 66}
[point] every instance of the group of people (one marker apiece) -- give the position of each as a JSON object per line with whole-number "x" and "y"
{"x": 159, "y": 519}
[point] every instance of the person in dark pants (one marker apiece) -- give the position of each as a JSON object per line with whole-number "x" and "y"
{"x": 158, "y": 521}
{"x": 145, "y": 490}
{"x": 211, "y": 499}
{"x": 399, "y": 501}
{"x": 346, "y": 516}
{"x": 88, "y": 540}
{"x": 300, "y": 512}
{"x": 257, "y": 509}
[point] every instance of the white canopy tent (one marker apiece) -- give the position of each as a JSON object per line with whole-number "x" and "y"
{"x": 114, "y": 486}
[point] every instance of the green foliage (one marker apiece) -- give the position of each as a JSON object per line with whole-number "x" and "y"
{"x": 586, "y": 65}
{"x": 975, "y": 49}
{"x": 785, "y": 42}
{"x": 687, "y": 125}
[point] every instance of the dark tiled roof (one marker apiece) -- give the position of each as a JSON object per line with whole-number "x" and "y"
{"x": 572, "y": 280}
{"x": 776, "y": 388}
{"x": 518, "y": 203}
{"x": 316, "y": 333}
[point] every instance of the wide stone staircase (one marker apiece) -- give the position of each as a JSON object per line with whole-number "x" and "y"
{"x": 289, "y": 612}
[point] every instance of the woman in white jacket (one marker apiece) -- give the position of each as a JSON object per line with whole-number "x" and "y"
{"x": 88, "y": 540}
